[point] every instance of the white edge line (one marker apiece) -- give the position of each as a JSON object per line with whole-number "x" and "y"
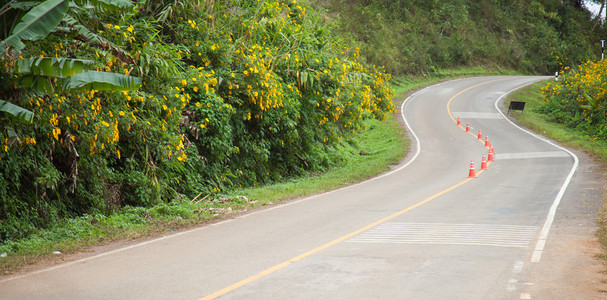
{"x": 67, "y": 264}
{"x": 539, "y": 246}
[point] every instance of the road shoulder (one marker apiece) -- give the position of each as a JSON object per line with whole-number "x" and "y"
{"x": 570, "y": 267}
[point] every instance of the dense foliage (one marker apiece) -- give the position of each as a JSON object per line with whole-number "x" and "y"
{"x": 421, "y": 36}
{"x": 578, "y": 100}
{"x": 112, "y": 103}
{"x": 233, "y": 93}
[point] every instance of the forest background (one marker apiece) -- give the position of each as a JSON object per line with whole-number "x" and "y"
{"x": 120, "y": 112}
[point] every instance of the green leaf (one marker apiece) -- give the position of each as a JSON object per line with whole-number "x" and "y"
{"x": 38, "y": 23}
{"x": 90, "y": 36}
{"x": 111, "y": 5}
{"x": 592, "y": 102}
{"x": 38, "y": 83}
{"x": 103, "y": 81}
{"x": 52, "y": 66}
{"x": 25, "y": 5}
{"x": 21, "y": 114}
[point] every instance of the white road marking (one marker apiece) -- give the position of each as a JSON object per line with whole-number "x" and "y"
{"x": 477, "y": 115}
{"x": 539, "y": 248}
{"x": 518, "y": 267}
{"x": 449, "y": 234}
{"x": 511, "y": 287}
{"x": 525, "y": 296}
{"x": 522, "y": 155}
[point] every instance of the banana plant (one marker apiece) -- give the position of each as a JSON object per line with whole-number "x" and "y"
{"x": 39, "y": 73}
{"x": 36, "y": 24}
{"x": 16, "y": 112}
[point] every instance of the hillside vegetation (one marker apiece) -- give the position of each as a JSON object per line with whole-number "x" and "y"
{"x": 113, "y": 105}
{"x": 423, "y": 36}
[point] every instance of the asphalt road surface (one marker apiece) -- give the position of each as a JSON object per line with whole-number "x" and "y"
{"x": 421, "y": 231}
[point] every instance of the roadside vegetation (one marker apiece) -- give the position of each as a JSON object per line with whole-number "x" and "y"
{"x": 380, "y": 146}
{"x": 572, "y": 111}
{"x": 121, "y": 119}
{"x": 363, "y": 155}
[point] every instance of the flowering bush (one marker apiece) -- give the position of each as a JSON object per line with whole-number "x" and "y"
{"x": 578, "y": 99}
{"x": 233, "y": 94}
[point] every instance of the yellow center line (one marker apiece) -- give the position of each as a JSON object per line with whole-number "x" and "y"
{"x": 463, "y": 91}
{"x": 325, "y": 246}
{"x": 351, "y": 234}
{"x": 455, "y": 121}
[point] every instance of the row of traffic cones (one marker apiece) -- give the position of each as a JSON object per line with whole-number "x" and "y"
{"x": 485, "y": 160}
{"x": 484, "y": 163}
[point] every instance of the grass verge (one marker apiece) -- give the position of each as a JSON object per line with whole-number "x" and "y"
{"x": 573, "y": 139}
{"x": 365, "y": 155}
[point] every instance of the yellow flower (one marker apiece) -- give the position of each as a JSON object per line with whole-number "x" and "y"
{"x": 116, "y": 27}
{"x": 56, "y": 132}
{"x": 184, "y": 82}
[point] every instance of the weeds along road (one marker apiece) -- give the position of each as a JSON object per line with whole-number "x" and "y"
{"x": 422, "y": 231}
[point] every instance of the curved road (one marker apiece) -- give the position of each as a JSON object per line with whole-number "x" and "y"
{"x": 422, "y": 231}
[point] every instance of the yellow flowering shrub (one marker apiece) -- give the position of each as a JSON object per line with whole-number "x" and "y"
{"x": 579, "y": 98}
{"x": 234, "y": 93}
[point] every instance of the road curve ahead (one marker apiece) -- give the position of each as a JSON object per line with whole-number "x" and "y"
{"x": 422, "y": 231}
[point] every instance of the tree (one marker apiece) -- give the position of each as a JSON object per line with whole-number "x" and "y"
{"x": 599, "y": 15}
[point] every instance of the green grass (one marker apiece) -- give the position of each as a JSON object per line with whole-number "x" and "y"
{"x": 541, "y": 124}
{"x": 570, "y": 138}
{"x": 382, "y": 145}
{"x": 364, "y": 155}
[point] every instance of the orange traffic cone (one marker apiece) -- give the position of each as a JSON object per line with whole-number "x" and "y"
{"x": 484, "y": 163}
{"x": 491, "y": 152}
{"x": 486, "y": 141}
{"x": 459, "y": 122}
{"x": 472, "y": 173}
{"x": 480, "y": 135}
{"x": 467, "y": 127}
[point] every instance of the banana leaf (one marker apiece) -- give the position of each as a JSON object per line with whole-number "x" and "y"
{"x": 103, "y": 81}
{"x": 110, "y": 5}
{"x": 19, "y": 113}
{"x": 37, "y": 23}
{"x": 52, "y": 66}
